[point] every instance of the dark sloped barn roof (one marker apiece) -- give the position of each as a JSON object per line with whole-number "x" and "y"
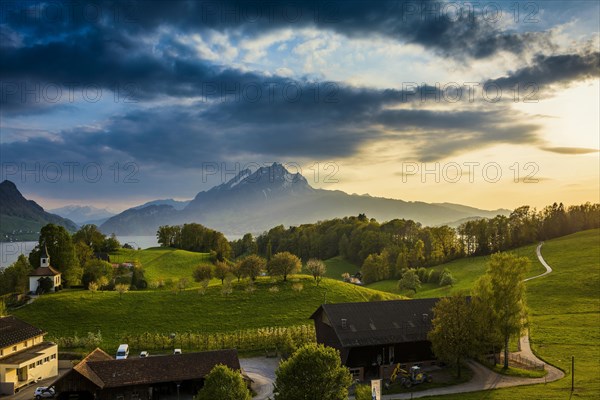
{"x": 379, "y": 322}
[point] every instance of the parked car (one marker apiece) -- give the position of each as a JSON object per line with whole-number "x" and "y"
{"x": 177, "y": 351}
{"x": 44, "y": 392}
{"x": 144, "y": 354}
{"x": 122, "y": 352}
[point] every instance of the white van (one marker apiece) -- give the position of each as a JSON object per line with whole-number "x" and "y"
{"x": 122, "y": 352}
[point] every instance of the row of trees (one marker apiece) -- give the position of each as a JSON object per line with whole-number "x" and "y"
{"x": 194, "y": 237}
{"x": 525, "y": 225}
{"x": 252, "y": 266}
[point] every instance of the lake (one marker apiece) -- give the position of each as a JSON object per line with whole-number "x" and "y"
{"x": 10, "y": 251}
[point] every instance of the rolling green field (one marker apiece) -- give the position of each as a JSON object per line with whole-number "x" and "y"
{"x": 163, "y": 262}
{"x": 565, "y": 321}
{"x": 465, "y": 271}
{"x": 162, "y": 311}
{"x": 336, "y": 266}
{"x": 564, "y": 307}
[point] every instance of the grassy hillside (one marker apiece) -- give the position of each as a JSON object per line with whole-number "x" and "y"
{"x": 163, "y": 311}
{"x": 565, "y": 320}
{"x": 163, "y": 262}
{"x": 465, "y": 271}
{"x": 336, "y": 266}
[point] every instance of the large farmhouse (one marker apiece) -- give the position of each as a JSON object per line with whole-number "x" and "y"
{"x": 24, "y": 356}
{"x": 373, "y": 337}
{"x": 101, "y": 377}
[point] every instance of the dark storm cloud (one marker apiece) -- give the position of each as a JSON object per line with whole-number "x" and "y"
{"x": 290, "y": 118}
{"x": 553, "y": 69}
{"x": 453, "y": 29}
{"x": 280, "y": 127}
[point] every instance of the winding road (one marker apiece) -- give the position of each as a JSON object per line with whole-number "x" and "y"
{"x": 262, "y": 371}
{"x": 486, "y": 379}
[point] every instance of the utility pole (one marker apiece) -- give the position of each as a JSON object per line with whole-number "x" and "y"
{"x": 572, "y": 373}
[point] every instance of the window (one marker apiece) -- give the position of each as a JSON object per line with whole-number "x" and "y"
{"x": 46, "y": 359}
{"x": 39, "y": 362}
{"x": 53, "y": 356}
{"x": 14, "y": 348}
{"x": 32, "y": 366}
{"x": 356, "y": 373}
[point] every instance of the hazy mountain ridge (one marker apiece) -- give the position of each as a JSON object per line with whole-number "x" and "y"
{"x": 270, "y": 196}
{"x": 82, "y": 215}
{"x": 176, "y": 204}
{"x": 21, "y": 219}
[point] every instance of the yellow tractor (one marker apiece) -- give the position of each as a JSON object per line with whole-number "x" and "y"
{"x": 409, "y": 378}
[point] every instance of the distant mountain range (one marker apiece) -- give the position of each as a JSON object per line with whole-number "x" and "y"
{"x": 83, "y": 215}
{"x": 257, "y": 201}
{"x": 176, "y": 204}
{"x": 22, "y": 219}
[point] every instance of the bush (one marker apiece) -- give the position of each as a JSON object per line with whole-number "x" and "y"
{"x": 202, "y": 272}
{"x": 434, "y": 276}
{"x": 377, "y": 297}
{"x": 423, "y": 274}
{"x": 203, "y": 286}
{"x": 224, "y": 383}
{"x": 274, "y": 289}
{"x": 297, "y": 287}
{"x": 363, "y": 392}
{"x": 447, "y": 279}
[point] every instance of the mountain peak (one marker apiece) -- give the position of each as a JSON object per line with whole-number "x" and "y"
{"x": 22, "y": 218}
{"x": 8, "y": 185}
{"x": 272, "y": 177}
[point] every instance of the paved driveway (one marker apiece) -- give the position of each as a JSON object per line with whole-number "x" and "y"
{"x": 27, "y": 392}
{"x": 262, "y": 371}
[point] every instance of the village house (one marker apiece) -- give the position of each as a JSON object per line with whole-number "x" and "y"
{"x": 373, "y": 337}
{"x": 101, "y": 377}
{"x": 24, "y": 355}
{"x": 44, "y": 272}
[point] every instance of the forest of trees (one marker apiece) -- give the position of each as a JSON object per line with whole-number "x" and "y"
{"x": 383, "y": 250}
{"x": 392, "y": 247}
{"x": 194, "y": 237}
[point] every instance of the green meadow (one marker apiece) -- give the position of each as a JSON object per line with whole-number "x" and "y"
{"x": 73, "y": 312}
{"x": 336, "y": 266}
{"x": 465, "y": 271}
{"x": 564, "y": 321}
{"x": 163, "y": 262}
{"x": 564, "y": 307}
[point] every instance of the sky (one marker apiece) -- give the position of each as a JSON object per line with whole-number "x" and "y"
{"x": 491, "y": 104}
